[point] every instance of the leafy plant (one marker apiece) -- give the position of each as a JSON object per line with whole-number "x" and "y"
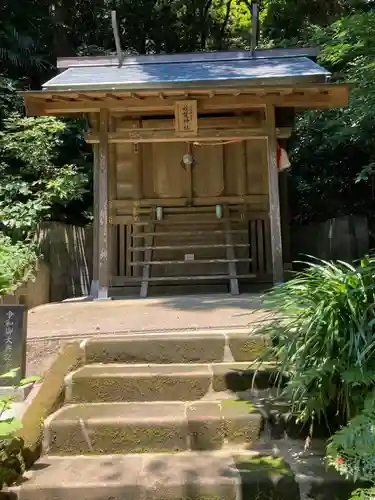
{"x": 8, "y": 426}
{"x": 18, "y": 263}
{"x": 13, "y": 455}
{"x": 352, "y": 449}
{"x": 323, "y": 339}
{"x": 333, "y": 149}
{"x": 363, "y": 494}
{"x": 33, "y": 177}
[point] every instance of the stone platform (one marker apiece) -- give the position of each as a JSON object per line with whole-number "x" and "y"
{"x": 51, "y": 325}
{"x": 78, "y": 317}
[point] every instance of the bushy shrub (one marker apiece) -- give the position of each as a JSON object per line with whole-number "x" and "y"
{"x": 351, "y": 450}
{"x": 14, "y": 456}
{"x": 17, "y": 264}
{"x": 13, "y": 460}
{"x": 323, "y": 338}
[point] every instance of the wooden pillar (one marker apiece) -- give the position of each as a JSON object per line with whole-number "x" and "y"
{"x": 112, "y": 195}
{"x": 274, "y": 198}
{"x": 102, "y": 239}
{"x": 285, "y": 216}
{"x": 94, "y": 122}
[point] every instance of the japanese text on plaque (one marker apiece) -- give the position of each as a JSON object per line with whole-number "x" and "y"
{"x": 8, "y": 334}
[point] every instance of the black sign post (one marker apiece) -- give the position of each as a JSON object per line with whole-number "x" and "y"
{"x": 13, "y": 332}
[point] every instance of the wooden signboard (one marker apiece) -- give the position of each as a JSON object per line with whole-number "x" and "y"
{"x": 13, "y": 328}
{"x": 186, "y": 118}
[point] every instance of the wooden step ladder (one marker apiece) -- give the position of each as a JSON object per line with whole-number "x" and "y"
{"x": 148, "y": 248}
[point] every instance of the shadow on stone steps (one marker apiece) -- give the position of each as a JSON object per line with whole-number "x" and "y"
{"x": 262, "y": 379}
{"x": 266, "y": 478}
{"x": 262, "y": 387}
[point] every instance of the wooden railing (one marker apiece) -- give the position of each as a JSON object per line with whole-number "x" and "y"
{"x": 253, "y": 245}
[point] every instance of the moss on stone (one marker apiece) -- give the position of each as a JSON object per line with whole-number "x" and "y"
{"x": 245, "y": 406}
{"x": 264, "y": 464}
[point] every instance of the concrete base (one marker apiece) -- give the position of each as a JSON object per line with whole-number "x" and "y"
{"x": 19, "y": 403}
{"x": 94, "y": 289}
{"x": 18, "y": 394}
{"x": 99, "y": 293}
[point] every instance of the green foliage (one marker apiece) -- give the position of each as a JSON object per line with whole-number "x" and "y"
{"x": 333, "y": 149}
{"x": 363, "y": 494}
{"x": 287, "y": 22}
{"x": 17, "y": 264}
{"x": 33, "y": 177}
{"x": 323, "y": 339}
{"x": 13, "y": 455}
{"x": 352, "y": 449}
{"x": 8, "y": 426}
{"x": 13, "y": 460}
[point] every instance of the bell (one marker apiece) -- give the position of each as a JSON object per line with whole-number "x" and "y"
{"x": 187, "y": 159}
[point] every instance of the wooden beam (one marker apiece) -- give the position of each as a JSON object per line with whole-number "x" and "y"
{"x": 103, "y": 205}
{"x": 61, "y": 97}
{"x": 254, "y": 120}
{"x": 181, "y": 202}
{"x": 328, "y": 96}
{"x": 89, "y": 97}
{"x": 311, "y": 88}
{"x": 124, "y": 280}
{"x": 114, "y": 97}
{"x": 208, "y": 135}
{"x": 204, "y": 135}
{"x": 274, "y": 198}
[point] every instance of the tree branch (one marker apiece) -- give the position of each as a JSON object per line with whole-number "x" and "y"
{"x": 248, "y": 4}
{"x": 226, "y": 19}
{"x": 204, "y": 23}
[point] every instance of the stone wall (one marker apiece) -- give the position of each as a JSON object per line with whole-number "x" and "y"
{"x": 34, "y": 292}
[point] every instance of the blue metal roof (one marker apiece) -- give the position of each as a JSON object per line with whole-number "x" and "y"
{"x": 221, "y": 55}
{"x": 192, "y": 74}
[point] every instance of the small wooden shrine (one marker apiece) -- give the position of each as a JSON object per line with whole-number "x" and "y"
{"x": 186, "y": 178}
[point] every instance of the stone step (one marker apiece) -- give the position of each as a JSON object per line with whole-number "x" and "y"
{"x": 105, "y": 383}
{"x": 216, "y": 475}
{"x": 176, "y": 347}
{"x": 151, "y": 427}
